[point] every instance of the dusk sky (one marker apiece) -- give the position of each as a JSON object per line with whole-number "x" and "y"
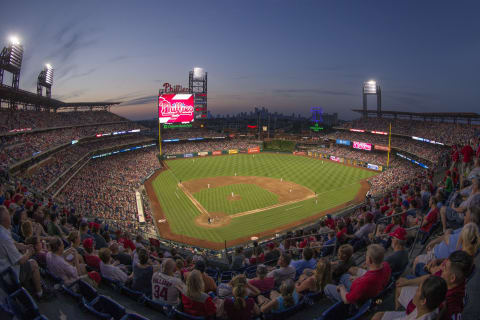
{"x": 288, "y": 56}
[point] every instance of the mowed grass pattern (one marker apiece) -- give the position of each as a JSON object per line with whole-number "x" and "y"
{"x": 252, "y": 197}
{"x": 334, "y": 183}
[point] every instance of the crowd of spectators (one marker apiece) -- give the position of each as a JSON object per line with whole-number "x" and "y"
{"x": 53, "y": 167}
{"x": 445, "y": 132}
{"x": 105, "y": 187}
{"x": 30, "y": 119}
{"x": 427, "y": 151}
{"x": 190, "y": 133}
{"x": 212, "y": 145}
{"x": 24, "y": 145}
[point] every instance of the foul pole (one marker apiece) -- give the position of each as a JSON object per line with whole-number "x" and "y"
{"x": 159, "y": 138}
{"x": 389, "y": 140}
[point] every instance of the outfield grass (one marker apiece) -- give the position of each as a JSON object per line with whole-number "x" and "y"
{"x": 334, "y": 183}
{"x": 252, "y": 197}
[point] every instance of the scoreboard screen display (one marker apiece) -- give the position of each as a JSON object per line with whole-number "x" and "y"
{"x": 175, "y": 108}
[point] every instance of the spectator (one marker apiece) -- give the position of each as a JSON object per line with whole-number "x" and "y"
{"x": 64, "y": 265}
{"x": 443, "y": 246}
{"x": 90, "y": 257}
{"x": 315, "y": 282}
{"x": 40, "y": 254}
{"x": 84, "y": 231}
{"x": 271, "y": 254}
{"x": 143, "y": 272}
{"x": 286, "y": 271}
{"x": 345, "y": 261}
{"x": 455, "y": 215}
{"x": 427, "y": 298}
{"x": 398, "y": 260}
{"x": 308, "y": 261}
{"x": 26, "y": 268}
{"x": 194, "y": 299}
{"x": 367, "y": 283}
{"x": 238, "y": 259}
{"x": 280, "y": 301}
{"x": 240, "y": 306}
{"x": 109, "y": 270}
{"x": 257, "y": 255}
{"x": 208, "y": 282}
{"x": 122, "y": 257}
{"x": 74, "y": 239}
{"x": 358, "y": 239}
{"x": 165, "y": 287}
{"x": 262, "y": 281}
{"x": 454, "y": 271}
{"x": 99, "y": 240}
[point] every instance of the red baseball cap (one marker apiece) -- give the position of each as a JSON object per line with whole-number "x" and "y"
{"x": 399, "y": 233}
{"x": 95, "y": 276}
{"x": 271, "y": 245}
{"x": 88, "y": 243}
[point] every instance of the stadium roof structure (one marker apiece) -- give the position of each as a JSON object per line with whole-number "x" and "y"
{"x": 27, "y": 98}
{"x": 455, "y": 116}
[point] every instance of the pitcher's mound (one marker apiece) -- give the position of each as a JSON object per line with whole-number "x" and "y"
{"x": 235, "y": 197}
{"x": 217, "y": 219}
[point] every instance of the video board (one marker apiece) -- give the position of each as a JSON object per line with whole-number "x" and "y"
{"x": 175, "y": 108}
{"x": 362, "y": 145}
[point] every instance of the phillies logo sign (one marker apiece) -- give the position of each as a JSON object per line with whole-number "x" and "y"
{"x": 174, "y": 108}
{"x": 362, "y": 145}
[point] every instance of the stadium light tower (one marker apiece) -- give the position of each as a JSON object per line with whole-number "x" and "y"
{"x": 371, "y": 87}
{"x": 11, "y": 60}
{"x": 197, "y": 84}
{"x": 45, "y": 79}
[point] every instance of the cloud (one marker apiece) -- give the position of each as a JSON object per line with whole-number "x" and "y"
{"x": 81, "y": 74}
{"x": 71, "y": 94}
{"x": 140, "y": 100}
{"x": 313, "y": 91}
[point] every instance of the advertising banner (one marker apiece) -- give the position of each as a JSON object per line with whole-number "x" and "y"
{"x": 299, "y": 153}
{"x": 336, "y": 159}
{"x": 216, "y": 153}
{"x": 357, "y": 130}
{"x": 379, "y": 132}
{"x": 203, "y": 153}
{"x": 380, "y": 147}
{"x": 362, "y": 145}
{"x": 232, "y": 151}
{"x": 188, "y": 155}
{"x": 171, "y": 157}
{"x": 372, "y": 166}
{"x": 254, "y": 150}
{"x": 344, "y": 142}
{"x": 173, "y": 108}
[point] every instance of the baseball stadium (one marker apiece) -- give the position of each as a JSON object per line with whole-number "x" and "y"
{"x": 222, "y": 160}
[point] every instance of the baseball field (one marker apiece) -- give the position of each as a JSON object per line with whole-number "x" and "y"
{"x": 205, "y": 201}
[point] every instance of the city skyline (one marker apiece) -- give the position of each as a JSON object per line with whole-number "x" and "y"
{"x": 286, "y": 56}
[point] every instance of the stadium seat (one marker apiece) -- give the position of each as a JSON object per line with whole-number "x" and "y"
{"x": 285, "y": 314}
{"x": 342, "y": 311}
{"x": 23, "y": 305}
{"x": 226, "y": 276}
{"x": 165, "y": 309}
{"x": 105, "y": 308}
{"x": 212, "y": 273}
{"x": 114, "y": 284}
{"x": 81, "y": 291}
{"x": 9, "y": 282}
{"x": 132, "y": 294}
{"x": 5, "y": 312}
{"x": 177, "y": 314}
{"x": 133, "y": 316}
{"x": 251, "y": 272}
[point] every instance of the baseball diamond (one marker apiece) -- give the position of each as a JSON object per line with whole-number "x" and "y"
{"x": 271, "y": 193}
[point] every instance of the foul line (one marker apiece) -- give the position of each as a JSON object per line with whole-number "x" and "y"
{"x": 194, "y": 201}
{"x": 294, "y": 207}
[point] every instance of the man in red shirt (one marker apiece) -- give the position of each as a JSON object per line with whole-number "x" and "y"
{"x": 431, "y": 217}
{"x": 358, "y": 289}
{"x": 454, "y": 271}
{"x": 329, "y": 222}
{"x": 91, "y": 258}
{"x": 467, "y": 153}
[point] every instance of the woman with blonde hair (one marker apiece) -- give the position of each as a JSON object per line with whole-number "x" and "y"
{"x": 195, "y": 301}
{"x": 322, "y": 275}
{"x": 280, "y": 301}
{"x": 240, "y": 306}
{"x": 469, "y": 240}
